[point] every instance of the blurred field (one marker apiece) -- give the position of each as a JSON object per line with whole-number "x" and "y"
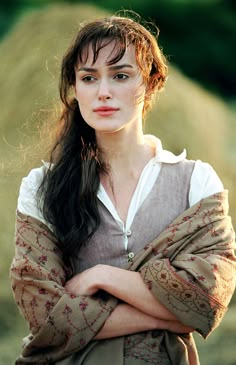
{"x": 185, "y": 116}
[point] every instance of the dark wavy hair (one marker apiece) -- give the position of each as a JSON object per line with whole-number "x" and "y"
{"x": 68, "y": 193}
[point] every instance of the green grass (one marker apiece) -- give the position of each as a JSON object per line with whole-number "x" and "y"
{"x": 11, "y": 335}
{"x": 219, "y": 348}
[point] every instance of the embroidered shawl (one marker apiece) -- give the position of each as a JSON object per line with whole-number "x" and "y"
{"x": 190, "y": 268}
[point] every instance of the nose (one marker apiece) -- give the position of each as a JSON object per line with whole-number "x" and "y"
{"x": 104, "y": 92}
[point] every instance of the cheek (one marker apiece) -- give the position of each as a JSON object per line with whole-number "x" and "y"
{"x": 83, "y": 96}
{"x": 136, "y": 94}
{"x": 136, "y": 89}
{"x": 79, "y": 93}
{"x": 83, "y": 102}
{"x": 82, "y": 90}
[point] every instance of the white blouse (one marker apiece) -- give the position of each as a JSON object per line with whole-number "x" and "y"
{"x": 204, "y": 182}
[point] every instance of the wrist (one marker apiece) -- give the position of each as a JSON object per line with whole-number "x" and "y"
{"x": 100, "y": 276}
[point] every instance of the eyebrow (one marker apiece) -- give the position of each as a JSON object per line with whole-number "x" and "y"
{"x": 113, "y": 68}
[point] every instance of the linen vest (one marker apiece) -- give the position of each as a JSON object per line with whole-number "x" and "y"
{"x": 168, "y": 198}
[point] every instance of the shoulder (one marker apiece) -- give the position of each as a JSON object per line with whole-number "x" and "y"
{"x": 204, "y": 182}
{"x": 27, "y": 199}
{"x": 35, "y": 176}
{"x": 180, "y": 171}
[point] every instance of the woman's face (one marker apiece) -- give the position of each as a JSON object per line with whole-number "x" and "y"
{"x": 110, "y": 97}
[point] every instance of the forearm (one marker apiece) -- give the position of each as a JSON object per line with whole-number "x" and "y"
{"x": 141, "y": 311}
{"x": 127, "y": 320}
{"x": 129, "y": 287}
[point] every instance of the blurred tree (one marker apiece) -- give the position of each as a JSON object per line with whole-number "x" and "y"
{"x": 197, "y": 35}
{"x": 8, "y": 12}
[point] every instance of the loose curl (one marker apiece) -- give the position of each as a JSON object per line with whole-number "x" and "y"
{"x": 68, "y": 193}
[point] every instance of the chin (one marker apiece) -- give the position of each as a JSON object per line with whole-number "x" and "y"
{"x": 108, "y": 127}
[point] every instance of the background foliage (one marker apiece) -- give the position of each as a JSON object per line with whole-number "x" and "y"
{"x": 198, "y": 35}
{"x": 185, "y": 115}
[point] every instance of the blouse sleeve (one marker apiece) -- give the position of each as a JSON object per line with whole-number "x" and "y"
{"x": 27, "y": 199}
{"x": 60, "y": 323}
{"x": 204, "y": 182}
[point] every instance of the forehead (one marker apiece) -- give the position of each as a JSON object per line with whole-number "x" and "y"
{"x": 107, "y": 55}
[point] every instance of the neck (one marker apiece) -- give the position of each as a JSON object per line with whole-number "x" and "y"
{"x": 125, "y": 154}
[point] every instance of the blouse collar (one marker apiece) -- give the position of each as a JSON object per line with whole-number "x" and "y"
{"x": 161, "y": 154}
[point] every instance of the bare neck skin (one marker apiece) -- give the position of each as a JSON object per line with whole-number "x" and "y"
{"x": 127, "y": 153}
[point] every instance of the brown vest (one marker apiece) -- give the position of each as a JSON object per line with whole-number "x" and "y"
{"x": 167, "y": 199}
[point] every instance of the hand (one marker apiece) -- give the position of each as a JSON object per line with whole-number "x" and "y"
{"x": 86, "y": 282}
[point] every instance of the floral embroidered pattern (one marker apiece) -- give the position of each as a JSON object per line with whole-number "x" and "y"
{"x": 57, "y": 319}
{"x": 145, "y": 347}
{"x": 190, "y": 268}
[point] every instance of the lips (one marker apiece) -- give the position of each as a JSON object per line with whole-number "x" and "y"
{"x": 105, "y": 111}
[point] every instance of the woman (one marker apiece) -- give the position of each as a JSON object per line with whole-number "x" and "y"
{"x": 122, "y": 248}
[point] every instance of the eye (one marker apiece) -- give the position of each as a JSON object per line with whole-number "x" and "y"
{"x": 88, "y": 78}
{"x": 121, "y": 76}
